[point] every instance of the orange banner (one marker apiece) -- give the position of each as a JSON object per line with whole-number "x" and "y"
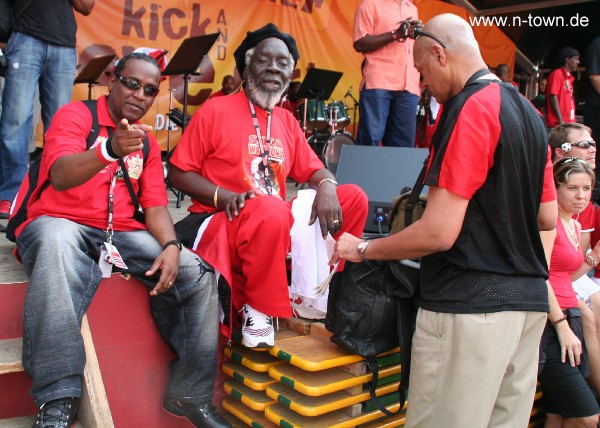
{"x": 322, "y": 28}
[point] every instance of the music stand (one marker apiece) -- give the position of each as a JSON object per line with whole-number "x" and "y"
{"x": 186, "y": 61}
{"x": 318, "y": 85}
{"x": 92, "y": 71}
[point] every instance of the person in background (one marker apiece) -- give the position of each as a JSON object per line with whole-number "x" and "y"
{"x": 38, "y": 55}
{"x": 290, "y": 100}
{"x": 61, "y": 246}
{"x": 427, "y": 113}
{"x": 567, "y": 398}
{"x": 574, "y": 140}
{"x": 560, "y": 101}
{"x": 228, "y": 86}
{"x": 483, "y": 297}
{"x": 539, "y": 101}
{"x": 390, "y": 84}
{"x": 502, "y": 72}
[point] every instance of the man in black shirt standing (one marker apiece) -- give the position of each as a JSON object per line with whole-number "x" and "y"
{"x": 483, "y": 298}
{"x": 40, "y": 52}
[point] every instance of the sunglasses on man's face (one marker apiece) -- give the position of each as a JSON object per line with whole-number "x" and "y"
{"x": 135, "y": 85}
{"x": 584, "y": 144}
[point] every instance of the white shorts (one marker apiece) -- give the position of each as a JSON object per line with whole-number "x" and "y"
{"x": 585, "y": 286}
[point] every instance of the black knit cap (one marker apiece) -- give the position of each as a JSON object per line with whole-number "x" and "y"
{"x": 567, "y": 53}
{"x": 253, "y": 38}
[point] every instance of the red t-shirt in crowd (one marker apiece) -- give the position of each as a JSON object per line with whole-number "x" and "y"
{"x": 87, "y": 203}
{"x": 587, "y": 218}
{"x": 560, "y": 83}
{"x": 565, "y": 260}
{"x": 219, "y": 93}
{"x": 220, "y": 144}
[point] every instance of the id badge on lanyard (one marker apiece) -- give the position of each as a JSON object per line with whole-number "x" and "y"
{"x": 109, "y": 254}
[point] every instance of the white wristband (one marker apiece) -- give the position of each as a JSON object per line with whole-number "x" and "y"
{"x": 102, "y": 153}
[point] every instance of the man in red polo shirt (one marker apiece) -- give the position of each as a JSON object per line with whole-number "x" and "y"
{"x": 560, "y": 102}
{"x": 81, "y": 217}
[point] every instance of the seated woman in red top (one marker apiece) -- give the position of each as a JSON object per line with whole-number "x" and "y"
{"x": 567, "y": 398}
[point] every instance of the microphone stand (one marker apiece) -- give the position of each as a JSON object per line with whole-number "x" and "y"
{"x": 349, "y": 94}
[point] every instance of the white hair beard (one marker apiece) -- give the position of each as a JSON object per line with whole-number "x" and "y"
{"x": 264, "y": 99}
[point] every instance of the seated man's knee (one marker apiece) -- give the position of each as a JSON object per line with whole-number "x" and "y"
{"x": 272, "y": 211}
{"x": 354, "y": 195}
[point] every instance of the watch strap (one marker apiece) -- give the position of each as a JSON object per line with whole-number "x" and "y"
{"x": 362, "y": 247}
{"x": 173, "y": 242}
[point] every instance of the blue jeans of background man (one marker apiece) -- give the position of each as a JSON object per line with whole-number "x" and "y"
{"x": 31, "y": 62}
{"x": 61, "y": 260}
{"x": 388, "y": 118}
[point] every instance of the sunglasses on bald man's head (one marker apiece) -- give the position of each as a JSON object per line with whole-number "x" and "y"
{"x": 135, "y": 85}
{"x": 419, "y": 32}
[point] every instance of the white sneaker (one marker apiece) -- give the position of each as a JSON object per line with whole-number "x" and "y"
{"x": 257, "y": 328}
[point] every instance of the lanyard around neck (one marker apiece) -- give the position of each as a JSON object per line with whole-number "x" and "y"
{"x": 264, "y": 154}
{"x": 111, "y": 203}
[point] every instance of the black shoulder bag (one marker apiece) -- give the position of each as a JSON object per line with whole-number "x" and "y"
{"x": 370, "y": 310}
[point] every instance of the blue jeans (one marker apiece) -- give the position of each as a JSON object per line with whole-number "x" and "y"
{"x": 31, "y": 62}
{"x": 388, "y": 118}
{"x": 61, "y": 260}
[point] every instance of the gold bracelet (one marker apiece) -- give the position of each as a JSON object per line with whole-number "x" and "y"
{"x": 216, "y": 197}
{"x": 331, "y": 180}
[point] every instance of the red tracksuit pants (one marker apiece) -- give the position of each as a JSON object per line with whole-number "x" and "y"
{"x": 259, "y": 241}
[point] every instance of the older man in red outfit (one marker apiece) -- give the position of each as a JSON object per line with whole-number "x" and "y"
{"x": 234, "y": 159}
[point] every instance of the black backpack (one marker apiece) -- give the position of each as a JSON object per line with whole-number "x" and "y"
{"x": 371, "y": 310}
{"x": 20, "y": 212}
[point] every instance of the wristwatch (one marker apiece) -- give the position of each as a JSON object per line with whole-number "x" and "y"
{"x": 362, "y": 247}
{"x": 173, "y": 242}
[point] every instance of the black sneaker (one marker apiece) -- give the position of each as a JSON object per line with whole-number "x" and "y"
{"x": 202, "y": 415}
{"x": 60, "y": 413}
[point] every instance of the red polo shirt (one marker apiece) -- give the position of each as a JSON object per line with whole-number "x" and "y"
{"x": 560, "y": 83}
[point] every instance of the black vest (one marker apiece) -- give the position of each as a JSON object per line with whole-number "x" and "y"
{"x": 497, "y": 262}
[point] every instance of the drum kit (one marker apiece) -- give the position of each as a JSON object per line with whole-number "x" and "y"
{"x": 324, "y": 125}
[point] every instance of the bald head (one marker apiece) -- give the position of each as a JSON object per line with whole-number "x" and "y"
{"x": 456, "y": 34}
{"x": 446, "y": 66}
